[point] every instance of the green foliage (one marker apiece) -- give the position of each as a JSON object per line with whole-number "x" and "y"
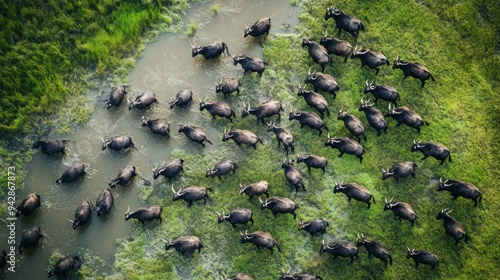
{"x": 191, "y": 30}
{"x": 215, "y": 8}
{"x": 43, "y": 44}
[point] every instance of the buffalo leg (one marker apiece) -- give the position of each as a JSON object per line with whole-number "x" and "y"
{"x": 341, "y": 154}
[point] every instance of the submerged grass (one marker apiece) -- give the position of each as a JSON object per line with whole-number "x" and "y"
{"x": 454, "y": 105}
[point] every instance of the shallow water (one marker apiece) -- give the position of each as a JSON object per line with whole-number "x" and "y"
{"x": 166, "y": 67}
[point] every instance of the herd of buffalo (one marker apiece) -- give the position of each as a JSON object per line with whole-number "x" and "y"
{"x": 322, "y": 82}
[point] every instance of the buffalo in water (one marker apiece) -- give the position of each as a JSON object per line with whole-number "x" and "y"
{"x": 344, "y": 21}
{"x": 124, "y": 177}
{"x": 170, "y": 169}
{"x": 117, "y": 143}
{"x": 157, "y": 126}
{"x": 182, "y": 98}
{"x": 116, "y": 96}
{"x": 212, "y": 50}
{"x": 29, "y": 239}
{"x": 50, "y": 147}
{"x": 72, "y": 173}
{"x": 194, "y": 133}
{"x": 104, "y": 202}
{"x": 82, "y": 213}
{"x": 260, "y": 27}
{"x": 142, "y": 101}
{"x": 28, "y": 205}
{"x": 414, "y": 69}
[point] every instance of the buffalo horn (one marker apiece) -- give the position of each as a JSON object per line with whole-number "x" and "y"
{"x": 309, "y": 73}
{"x": 326, "y": 32}
{"x": 358, "y": 236}
{"x": 71, "y": 221}
{"x": 323, "y": 242}
{"x": 164, "y": 240}
{"x": 173, "y": 188}
{"x": 372, "y": 82}
{"x": 283, "y": 270}
{"x": 391, "y": 199}
{"x": 261, "y": 200}
{"x": 408, "y": 249}
{"x": 241, "y": 233}
{"x": 128, "y": 210}
{"x": 385, "y": 199}
{"x": 362, "y": 235}
{"x": 366, "y": 82}
{"x": 217, "y": 213}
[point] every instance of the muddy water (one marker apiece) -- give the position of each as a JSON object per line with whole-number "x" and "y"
{"x": 166, "y": 67}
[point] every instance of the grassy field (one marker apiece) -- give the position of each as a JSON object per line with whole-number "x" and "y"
{"x": 456, "y": 40}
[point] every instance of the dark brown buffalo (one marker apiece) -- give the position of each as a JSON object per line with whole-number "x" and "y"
{"x": 346, "y": 145}
{"x": 65, "y": 265}
{"x": 374, "y": 248}
{"x": 414, "y": 69}
{"x": 452, "y": 227}
{"x": 344, "y": 249}
{"x": 194, "y": 133}
{"x": 461, "y": 188}
{"x": 402, "y": 210}
{"x": 260, "y": 27}
{"x": 149, "y": 213}
{"x": 29, "y": 239}
{"x": 344, "y": 21}
{"x": 424, "y": 257}
{"x": 283, "y": 136}
{"x": 72, "y": 173}
{"x": 260, "y": 239}
{"x": 184, "y": 244}
{"x": 50, "y": 147}
{"x": 370, "y": 58}
{"x": 432, "y": 149}
{"x": 28, "y": 205}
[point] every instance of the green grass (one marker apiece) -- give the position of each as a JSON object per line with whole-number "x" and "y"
{"x": 462, "y": 107}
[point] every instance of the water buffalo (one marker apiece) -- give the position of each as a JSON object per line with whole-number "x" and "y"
{"x": 401, "y": 210}
{"x": 184, "y": 244}
{"x": 336, "y": 46}
{"x": 239, "y": 276}
{"x": 104, "y": 202}
{"x": 260, "y": 239}
{"x": 283, "y": 136}
{"x": 221, "y": 168}
{"x": 453, "y": 227}
{"x": 370, "y": 58}
{"x": 315, "y": 100}
{"x": 194, "y": 133}
{"x": 309, "y": 119}
{"x": 346, "y": 145}
{"x": 356, "y": 191}
{"x": 344, "y": 249}
{"x": 142, "y": 101}
{"x": 157, "y": 126}
{"x": 279, "y": 205}
{"x": 313, "y": 161}
{"x": 414, "y": 69}
{"x": 298, "y": 276}
{"x": 460, "y": 188}
{"x": 293, "y": 175}
{"x": 264, "y": 110}
{"x": 65, "y": 265}
{"x": 191, "y": 194}
{"x": 149, "y": 213}
{"x": 50, "y": 147}
{"x": 255, "y": 189}
{"x": 403, "y": 115}
{"x": 344, "y": 21}
{"x": 374, "y": 248}
{"x": 314, "y": 226}
{"x": 124, "y": 177}
{"x": 241, "y": 136}
{"x": 432, "y": 149}
{"x": 182, "y": 98}
{"x": 116, "y": 96}
{"x": 169, "y": 169}
{"x": 318, "y": 53}
{"x": 82, "y": 213}
{"x": 72, "y": 173}
{"x": 29, "y": 239}
{"x": 218, "y": 108}
{"x": 374, "y": 116}
{"x": 383, "y": 92}
{"x": 117, "y": 143}
{"x": 260, "y": 27}
{"x": 250, "y": 64}
{"x": 28, "y": 205}
{"x": 229, "y": 86}
{"x": 323, "y": 82}
{"x": 400, "y": 170}
{"x": 236, "y": 216}
{"x": 424, "y": 257}
{"x": 212, "y": 50}
{"x": 353, "y": 124}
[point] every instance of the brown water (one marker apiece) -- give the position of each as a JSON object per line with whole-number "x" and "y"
{"x": 166, "y": 67}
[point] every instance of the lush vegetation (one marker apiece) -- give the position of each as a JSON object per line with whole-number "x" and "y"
{"x": 465, "y": 65}
{"x": 456, "y": 40}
